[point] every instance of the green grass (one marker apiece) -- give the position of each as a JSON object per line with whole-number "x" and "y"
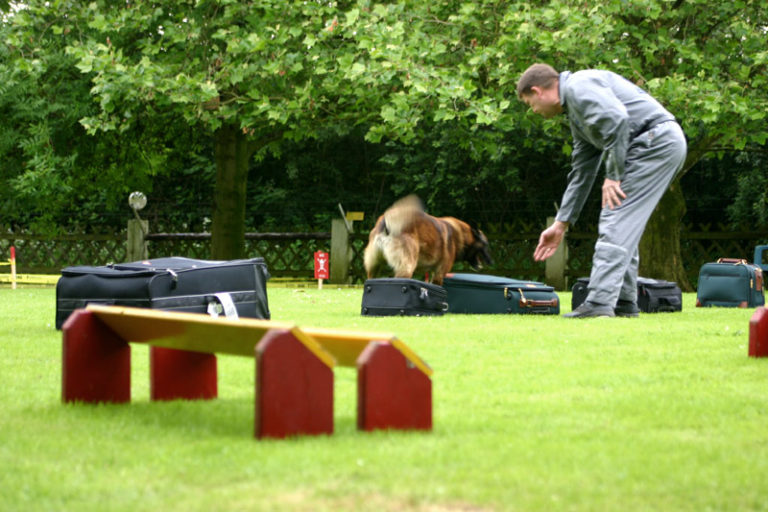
{"x": 663, "y": 412}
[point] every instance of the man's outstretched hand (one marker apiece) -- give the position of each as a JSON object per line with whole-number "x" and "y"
{"x": 549, "y": 240}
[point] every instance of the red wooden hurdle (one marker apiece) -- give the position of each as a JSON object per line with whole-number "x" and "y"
{"x": 758, "y": 333}
{"x": 294, "y": 367}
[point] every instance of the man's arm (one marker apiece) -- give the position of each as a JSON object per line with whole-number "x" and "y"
{"x": 585, "y": 160}
{"x": 605, "y": 120}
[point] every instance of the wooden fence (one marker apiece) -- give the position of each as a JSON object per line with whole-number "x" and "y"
{"x": 290, "y": 255}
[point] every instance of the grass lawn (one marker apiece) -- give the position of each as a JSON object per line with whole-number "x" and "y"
{"x": 662, "y": 412}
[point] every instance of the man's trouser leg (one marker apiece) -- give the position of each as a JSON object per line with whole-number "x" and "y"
{"x": 653, "y": 160}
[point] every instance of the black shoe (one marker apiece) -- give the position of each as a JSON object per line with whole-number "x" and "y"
{"x": 626, "y": 309}
{"x": 590, "y": 310}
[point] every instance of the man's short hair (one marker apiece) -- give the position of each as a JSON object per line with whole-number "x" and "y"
{"x": 537, "y": 75}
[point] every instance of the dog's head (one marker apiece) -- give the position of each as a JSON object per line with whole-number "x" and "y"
{"x": 477, "y": 252}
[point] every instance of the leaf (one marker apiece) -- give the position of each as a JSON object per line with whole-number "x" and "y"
{"x": 388, "y": 114}
{"x": 357, "y": 69}
{"x": 85, "y": 64}
{"x": 352, "y": 16}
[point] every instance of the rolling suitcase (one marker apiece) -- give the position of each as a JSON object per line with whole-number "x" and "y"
{"x": 388, "y": 296}
{"x": 235, "y": 288}
{"x": 653, "y": 295}
{"x": 486, "y": 294}
{"x": 730, "y": 282}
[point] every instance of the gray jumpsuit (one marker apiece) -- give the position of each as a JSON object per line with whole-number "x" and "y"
{"x": 617, "y": 125}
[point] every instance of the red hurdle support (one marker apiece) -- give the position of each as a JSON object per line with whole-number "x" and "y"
{"x": 758, "y": 333}
{"x": 391, "y": 391}
{"x": 294, "y": 388}
{"x": 181, "y": 374}
{"x": 294, "y": 380}
{"x": 96, "y": 362}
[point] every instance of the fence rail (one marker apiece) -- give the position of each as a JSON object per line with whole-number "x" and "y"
{"x": 289, "y": 255}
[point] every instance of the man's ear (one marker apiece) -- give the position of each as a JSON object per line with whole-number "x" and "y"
{"x": 536, "y": 90}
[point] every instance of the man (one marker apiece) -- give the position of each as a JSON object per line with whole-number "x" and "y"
{"x": 617, "y": 125}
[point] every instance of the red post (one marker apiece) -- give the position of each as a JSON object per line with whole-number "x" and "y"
{"x": 758, "y": 333}
{"x": 13, "y": 267}
{"x": 182, "y": 374}
{"x": 96, "y": 362}
{"x": 294, "y": 388}
{"x": 391, "y": 392}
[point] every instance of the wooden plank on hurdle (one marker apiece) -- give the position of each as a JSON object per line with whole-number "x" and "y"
{"x": 346, "y": 346}
{"x": 202, "y": 333}
{"x": 196, "y": 332}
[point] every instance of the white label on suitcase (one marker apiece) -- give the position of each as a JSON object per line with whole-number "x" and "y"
{"x": 225, "y": 299}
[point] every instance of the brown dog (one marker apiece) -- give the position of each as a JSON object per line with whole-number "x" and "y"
{"x": 408, "y": 239}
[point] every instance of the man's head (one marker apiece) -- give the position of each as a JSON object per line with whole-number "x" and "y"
{"x": 538, "y": 88}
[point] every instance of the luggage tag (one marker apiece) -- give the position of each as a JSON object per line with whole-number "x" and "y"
{"x": 224, "y": 304}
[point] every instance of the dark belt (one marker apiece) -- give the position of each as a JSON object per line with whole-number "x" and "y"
{"x": 651, "y": 124}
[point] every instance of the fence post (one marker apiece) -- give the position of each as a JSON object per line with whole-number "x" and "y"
{"x": 339, "y": 252}
{"x": 136, "y": 247}
{"x": 554, "y": 271}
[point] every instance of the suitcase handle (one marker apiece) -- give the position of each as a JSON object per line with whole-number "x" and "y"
{"x": 528, "y": 303}
{"x": 424, "y": 295}
{"x": 734, "y": 261}
{"x": 538, "y": 303}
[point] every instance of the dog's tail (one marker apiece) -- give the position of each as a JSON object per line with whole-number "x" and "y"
{"x": 401, "y": 214}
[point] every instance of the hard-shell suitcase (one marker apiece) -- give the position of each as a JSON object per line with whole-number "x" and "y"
{"x": 235, "y": 287}
{"x": 653, "y": 295}
{"x": 730, "y": 282}
{"x": 487, "y": 294}
{"x": 388, "y": 296}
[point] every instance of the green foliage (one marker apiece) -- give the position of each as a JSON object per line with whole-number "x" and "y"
{"x": 61, "y": 178}
{"x": 705, "y": 61}
{"x": 750, "y": 206}
{"x": 102, "y": 98}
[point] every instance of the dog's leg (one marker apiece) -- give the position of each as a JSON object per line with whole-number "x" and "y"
{"x": 403, "y": 256}
{"x": 440, "y": 272}
{"x": 372, "y": 259}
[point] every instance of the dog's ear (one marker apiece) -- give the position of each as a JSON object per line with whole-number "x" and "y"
{"x": 476, "y": 233}
{"x": 481, "y": 245}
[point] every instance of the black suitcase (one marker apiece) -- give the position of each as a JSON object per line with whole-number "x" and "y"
{"x": 486, "y": 294}
{"x": 653, "y": 295}
{"x": 730, "y": 282}
{"x": 388, "y": 296}
{"x": 235, "y": 288}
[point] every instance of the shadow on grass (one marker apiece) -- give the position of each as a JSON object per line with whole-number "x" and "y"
{"x": 195, "y": 419}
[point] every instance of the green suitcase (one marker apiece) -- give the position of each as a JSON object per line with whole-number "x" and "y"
{"x": 486, "y": 294}
{"x": 730, "y": 283}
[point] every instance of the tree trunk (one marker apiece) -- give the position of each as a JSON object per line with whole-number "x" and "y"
{"x": 232, "y": 152}
{"x": 660, "y": 253}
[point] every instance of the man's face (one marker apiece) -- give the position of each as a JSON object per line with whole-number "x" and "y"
{"x": 545, "y": 102}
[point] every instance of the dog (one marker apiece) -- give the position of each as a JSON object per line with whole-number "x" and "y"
{"x": 409, "y": 240}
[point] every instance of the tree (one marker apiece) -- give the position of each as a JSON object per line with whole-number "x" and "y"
{"x": 256, "y": 74}
{"x": 251, "y": 74}
{"x": 58, "y": 177}
{"x": 705, "y": 61}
